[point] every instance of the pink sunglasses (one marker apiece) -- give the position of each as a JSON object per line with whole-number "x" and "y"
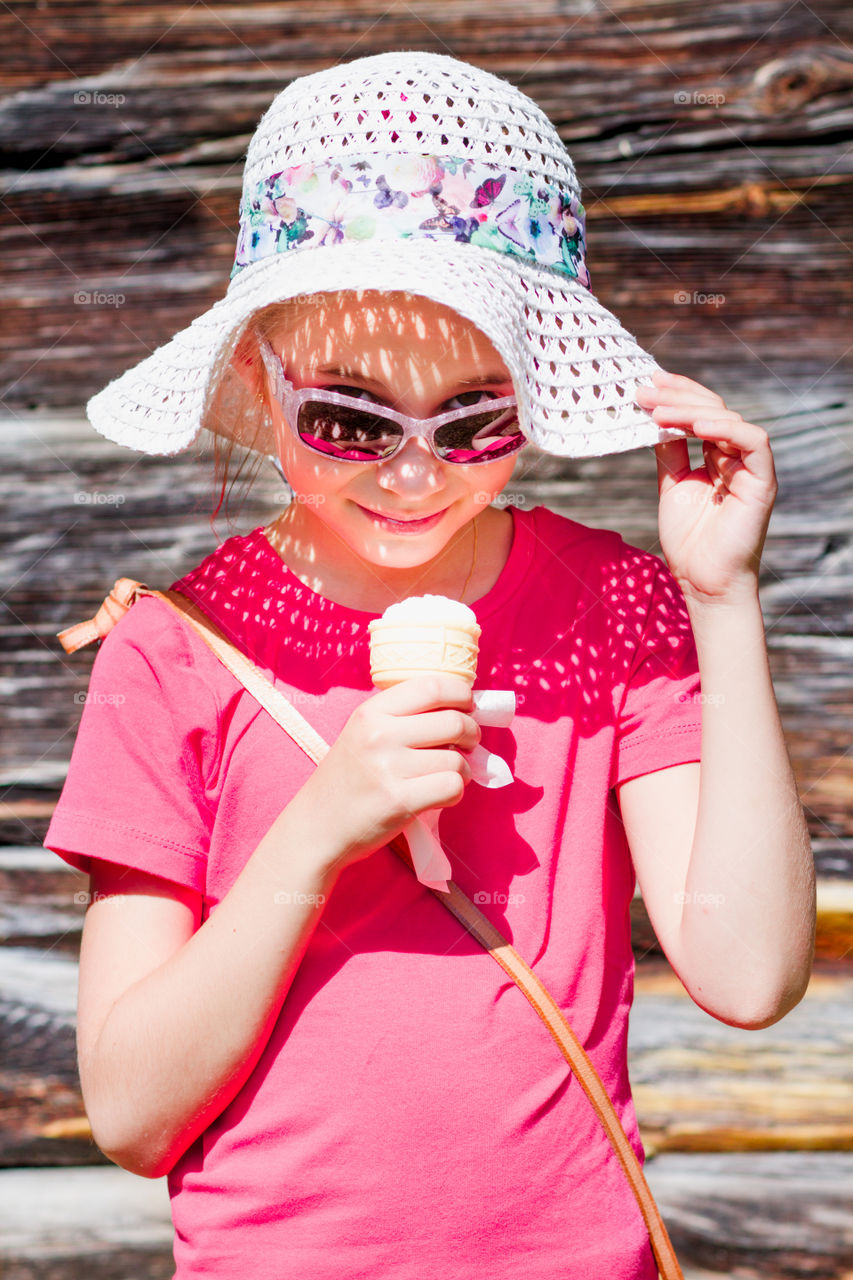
{"x": 348, "y": 429}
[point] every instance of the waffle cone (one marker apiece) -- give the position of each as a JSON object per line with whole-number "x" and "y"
{"x": 399, "y": 651}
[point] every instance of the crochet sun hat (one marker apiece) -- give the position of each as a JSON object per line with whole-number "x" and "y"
{"x": 406, "y": 171}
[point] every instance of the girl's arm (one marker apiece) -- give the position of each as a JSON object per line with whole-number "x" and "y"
{"x": 722, "y": 851}
{"x": 173, "y": 1015}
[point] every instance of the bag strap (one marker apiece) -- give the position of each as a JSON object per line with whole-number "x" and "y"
{"x": 125, "y": 592}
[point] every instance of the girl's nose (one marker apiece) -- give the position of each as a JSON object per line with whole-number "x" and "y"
{"x": 414, "y": 470}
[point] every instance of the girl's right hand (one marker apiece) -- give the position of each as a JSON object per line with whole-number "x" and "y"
{"x": 393, "y": 759}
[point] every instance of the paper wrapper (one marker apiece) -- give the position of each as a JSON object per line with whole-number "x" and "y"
{"x": 494, "y": 707}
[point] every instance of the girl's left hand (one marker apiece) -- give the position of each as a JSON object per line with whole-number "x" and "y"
{"x": 712, "y": 520}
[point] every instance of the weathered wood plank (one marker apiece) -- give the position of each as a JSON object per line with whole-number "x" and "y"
{"x": 39, "y": 1084}
{"x": 114, "y": 270}
{"x": 712, "y": 155}
{"x": 701, "y": 1085}
{"x": 43, "y": 903}
{"x": 758, "y": 1214}
{"x": 668, "y": 38}
{"x": 104, "y": 1223}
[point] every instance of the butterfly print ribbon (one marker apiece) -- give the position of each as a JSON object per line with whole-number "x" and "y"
{"x": 410, "y": 197}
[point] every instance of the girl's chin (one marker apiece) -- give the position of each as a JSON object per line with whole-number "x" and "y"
{"x": 415, "y": 553}
{"x": 392, "y": 552}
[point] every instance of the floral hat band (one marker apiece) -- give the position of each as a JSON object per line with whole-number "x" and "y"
{"x": 373, "y": 197}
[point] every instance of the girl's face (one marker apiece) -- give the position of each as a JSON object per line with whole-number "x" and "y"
{"x": 414, "y": 355}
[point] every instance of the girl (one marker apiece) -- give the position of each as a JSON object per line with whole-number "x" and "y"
{"x": 273, "y": 1011}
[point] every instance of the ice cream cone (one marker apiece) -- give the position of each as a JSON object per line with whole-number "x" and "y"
{"x": 421, "y": 634}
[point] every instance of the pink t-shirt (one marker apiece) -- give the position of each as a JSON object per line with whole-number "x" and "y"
{"x": 410, "y": 1117}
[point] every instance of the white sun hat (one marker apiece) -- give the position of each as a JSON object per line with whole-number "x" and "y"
{"x": 406, "y": 171}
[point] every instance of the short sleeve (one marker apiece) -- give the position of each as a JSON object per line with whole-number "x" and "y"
{"x": 660, "y": 719}
{"x": 135, "y": 790}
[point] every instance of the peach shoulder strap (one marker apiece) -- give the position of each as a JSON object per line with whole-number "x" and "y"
{"x": 125, "y": 593}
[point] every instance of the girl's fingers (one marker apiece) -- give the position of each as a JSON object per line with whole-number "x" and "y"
{"x": 425, "y": 692}
{"x": 422, "y": 760}
{"x": 737, "y": 435}
{"x": 684, "y": 415}
{"x": 439, "y": 729}
{"x": 678, "y": 384}
{"x": 741, "y": 442}
{"x": 673, "y": 462}
{"x": 727, "y": 430}
{"x": 721, "y": 467}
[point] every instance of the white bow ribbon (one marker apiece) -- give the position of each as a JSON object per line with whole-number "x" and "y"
{"x": 494, "y": 707}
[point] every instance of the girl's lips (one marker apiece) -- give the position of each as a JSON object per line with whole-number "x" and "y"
{"x": 402, "y": 526}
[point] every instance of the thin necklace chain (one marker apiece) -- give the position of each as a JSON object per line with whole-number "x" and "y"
{"x": 473, "y": 562}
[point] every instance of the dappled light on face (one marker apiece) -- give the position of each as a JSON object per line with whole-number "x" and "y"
{"x": 421, "y": 359}
{"x": 412, "y": 469}
{"x": 414, "y": 347}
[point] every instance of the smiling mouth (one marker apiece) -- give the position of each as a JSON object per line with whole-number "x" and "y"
{"x": 403, "y": 521}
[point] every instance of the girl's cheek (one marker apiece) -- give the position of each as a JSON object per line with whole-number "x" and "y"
{"x": 497, "y": 477}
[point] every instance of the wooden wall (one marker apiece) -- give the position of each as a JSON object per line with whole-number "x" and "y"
{"x": 713, "y": 144}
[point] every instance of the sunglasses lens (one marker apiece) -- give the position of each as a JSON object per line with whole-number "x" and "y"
{"x": 357, "y": 435}
{"x": 347, "y": 433}
{"x": 480, "y": 437}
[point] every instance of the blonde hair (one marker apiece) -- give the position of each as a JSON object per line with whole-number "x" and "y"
{"x": 249, "y": 463}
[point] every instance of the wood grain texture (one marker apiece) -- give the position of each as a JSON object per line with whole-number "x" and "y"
{"x": 710, "y": 143}
{"x": 758, "y": 1214}
{"x": 701, "y": 1085}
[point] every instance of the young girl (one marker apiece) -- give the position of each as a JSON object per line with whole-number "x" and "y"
{"x": 273, "y": 1011}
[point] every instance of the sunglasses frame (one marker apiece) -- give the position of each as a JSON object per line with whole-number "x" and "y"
{"x": 290, "y": 401}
